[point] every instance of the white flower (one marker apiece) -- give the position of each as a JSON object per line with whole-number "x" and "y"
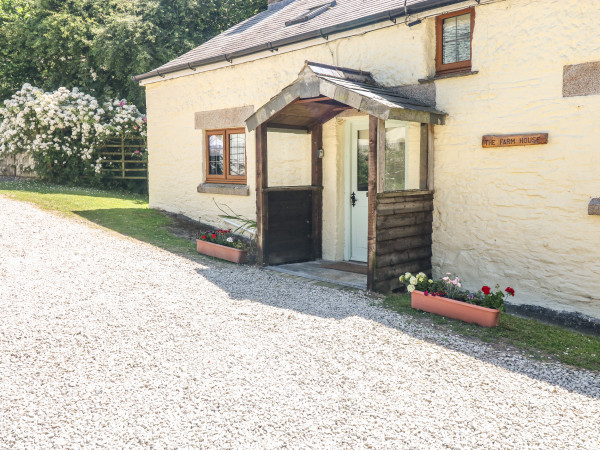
{"x": 410, "y": 288}
{"x": 407, "y": 275}
{"x": 413, "y": 280}
{"x": 229, "y": 239}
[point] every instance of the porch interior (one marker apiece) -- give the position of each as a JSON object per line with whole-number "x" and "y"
{"x": 344, "y": 273}
{"x": 290, "y": 218}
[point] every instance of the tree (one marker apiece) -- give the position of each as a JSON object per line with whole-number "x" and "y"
{"x": 98, "y": 46}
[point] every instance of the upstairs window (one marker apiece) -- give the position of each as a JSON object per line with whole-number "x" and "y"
{"x": 454, "y": 36}
{"x": 226, "y": 156}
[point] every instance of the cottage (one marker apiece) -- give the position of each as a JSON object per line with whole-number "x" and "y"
{"x": 419, "y": 135}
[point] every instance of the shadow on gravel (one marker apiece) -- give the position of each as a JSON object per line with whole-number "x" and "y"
{"x": 281, "y": 291}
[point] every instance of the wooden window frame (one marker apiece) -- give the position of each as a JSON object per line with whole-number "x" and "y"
{"x": 225, "y": 178}
{"x": 460, "y": 66}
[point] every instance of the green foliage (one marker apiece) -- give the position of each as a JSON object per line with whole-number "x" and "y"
{"x": 541, "y": 340}
{"x": 98, "y": 45}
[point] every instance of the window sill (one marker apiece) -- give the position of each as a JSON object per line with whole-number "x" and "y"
{"x": 442, "y": 76}
{"x": 224, "y": 189}
{"x": 594, "y": 207}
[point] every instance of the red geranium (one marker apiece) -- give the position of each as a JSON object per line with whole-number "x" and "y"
{"x": 486, "y": 290}
{"x": 203, "y": 237}
{"x": 510, "y": 290}
{"x": 214, "y": 236}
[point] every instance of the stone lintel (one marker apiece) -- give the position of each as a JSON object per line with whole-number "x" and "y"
{"x": 223, "y": 118}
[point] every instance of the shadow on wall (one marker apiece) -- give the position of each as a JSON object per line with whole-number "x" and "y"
{"x": 283, "y": 292}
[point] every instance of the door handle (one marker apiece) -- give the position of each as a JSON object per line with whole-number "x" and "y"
{"x": 353, "y": 199}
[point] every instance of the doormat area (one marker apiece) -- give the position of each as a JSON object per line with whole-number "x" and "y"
{"x": 347, "y": 267}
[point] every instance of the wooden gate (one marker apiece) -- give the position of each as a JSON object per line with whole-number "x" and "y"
{"x": 121, "y": 161}
{"x": 290, "y": 234}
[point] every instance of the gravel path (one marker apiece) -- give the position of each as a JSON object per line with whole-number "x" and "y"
{"x": 105, "y": 341}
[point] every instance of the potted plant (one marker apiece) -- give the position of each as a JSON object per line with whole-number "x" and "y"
{"x": 223, "y": 245}
{"x": 446, "y": 297}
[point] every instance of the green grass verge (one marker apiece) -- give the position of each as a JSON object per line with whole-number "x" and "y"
{"x": 537, "y": 338}
{"x": 127, "y": 214}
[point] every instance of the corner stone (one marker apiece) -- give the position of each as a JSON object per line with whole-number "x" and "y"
{"x": 594, "y": 207}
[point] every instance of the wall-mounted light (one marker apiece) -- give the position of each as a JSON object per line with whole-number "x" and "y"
{"x": 321, "y": 153}
{"x": 416, "y": 22}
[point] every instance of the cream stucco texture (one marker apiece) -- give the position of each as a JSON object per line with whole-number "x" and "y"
{"x": 514, "y": 216}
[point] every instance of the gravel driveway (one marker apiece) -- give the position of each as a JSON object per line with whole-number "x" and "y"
{"x": 105, "y": 341}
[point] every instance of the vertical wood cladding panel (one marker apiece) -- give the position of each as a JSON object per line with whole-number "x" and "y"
{"x": 290, "y": 225}
{"x": 404, "y": 229}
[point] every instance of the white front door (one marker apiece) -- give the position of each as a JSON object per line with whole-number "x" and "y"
{"x": 359, "y": 186}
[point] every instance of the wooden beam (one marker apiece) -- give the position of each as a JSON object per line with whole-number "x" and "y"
{"x": 372, "y": 208}
{"x": 262, "y": 204}
{"x": 381, "y": 154}
{"x": 317, "y": 195}
{"x": 430, "y": 158}
{"x": 283, "y": 126}
{"x": 312, "y": 100}
{"x": 424, "y": 156}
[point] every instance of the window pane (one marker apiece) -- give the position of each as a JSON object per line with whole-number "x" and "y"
{"x": 362, "y": 163}
{"x": 237, "y": 154}
{"x": 395, "y": 159}
{"x": 215, "y": 154}
{"x": 456, "y": 39}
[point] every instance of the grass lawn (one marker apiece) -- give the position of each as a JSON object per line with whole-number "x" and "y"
{"x": 538, "y": 339}
{"x": 129, "y": 215}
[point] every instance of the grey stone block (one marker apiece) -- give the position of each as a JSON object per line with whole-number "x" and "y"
{"x": 581, "y": 79}
{"x": 594, "y": 207}
{"x": 224, "y": 189}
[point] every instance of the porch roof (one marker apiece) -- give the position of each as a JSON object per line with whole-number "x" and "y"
{"x": 321, "y": 92}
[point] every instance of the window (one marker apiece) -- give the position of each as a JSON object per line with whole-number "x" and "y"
{"x": 454, "y": 35}
{"x": 311, "y": 13}
{"x": 226, "y": 156}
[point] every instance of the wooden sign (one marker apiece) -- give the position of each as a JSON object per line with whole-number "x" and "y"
{"x": 512, "y": 140}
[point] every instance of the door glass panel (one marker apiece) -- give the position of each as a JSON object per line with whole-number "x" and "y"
{"x": 395, "y": 159}
{"x": 237, "y": 154}
{"x": 215, "y": 154}
{"x": 362, "y": 161}
{"x": 457, "y": 39}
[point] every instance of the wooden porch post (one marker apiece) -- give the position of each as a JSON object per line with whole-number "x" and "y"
{"x": 317, "y": 194}
{"x": 372, "y": 195}
{"x": 262, "y": 205}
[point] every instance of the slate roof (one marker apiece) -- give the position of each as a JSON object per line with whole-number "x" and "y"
{"x": 354, "y": 88}
{"x": 267, "y": 30}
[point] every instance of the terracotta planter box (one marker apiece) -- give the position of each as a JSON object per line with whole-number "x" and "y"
{"x": 486, "y": 317}
{"x": 231, "y": 254}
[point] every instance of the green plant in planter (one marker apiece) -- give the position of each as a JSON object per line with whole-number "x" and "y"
{"x": 450, "y": 286}
{"x": 222, "y": 237}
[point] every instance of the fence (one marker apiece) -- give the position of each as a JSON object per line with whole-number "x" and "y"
{"x": 122, "y": 162}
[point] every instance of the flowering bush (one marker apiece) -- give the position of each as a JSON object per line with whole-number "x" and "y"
{"x": 222, "y": 237}
{"x": 450, "y": 285}
{"x": 64, "y": 130}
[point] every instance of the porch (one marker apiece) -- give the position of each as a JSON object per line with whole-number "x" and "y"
{"x": 397, "y": 217}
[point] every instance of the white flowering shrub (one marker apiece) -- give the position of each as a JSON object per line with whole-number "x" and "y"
{"x": 64, "y": 131}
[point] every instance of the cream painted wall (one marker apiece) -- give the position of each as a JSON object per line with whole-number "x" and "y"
{"x": 516, "y": 216}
